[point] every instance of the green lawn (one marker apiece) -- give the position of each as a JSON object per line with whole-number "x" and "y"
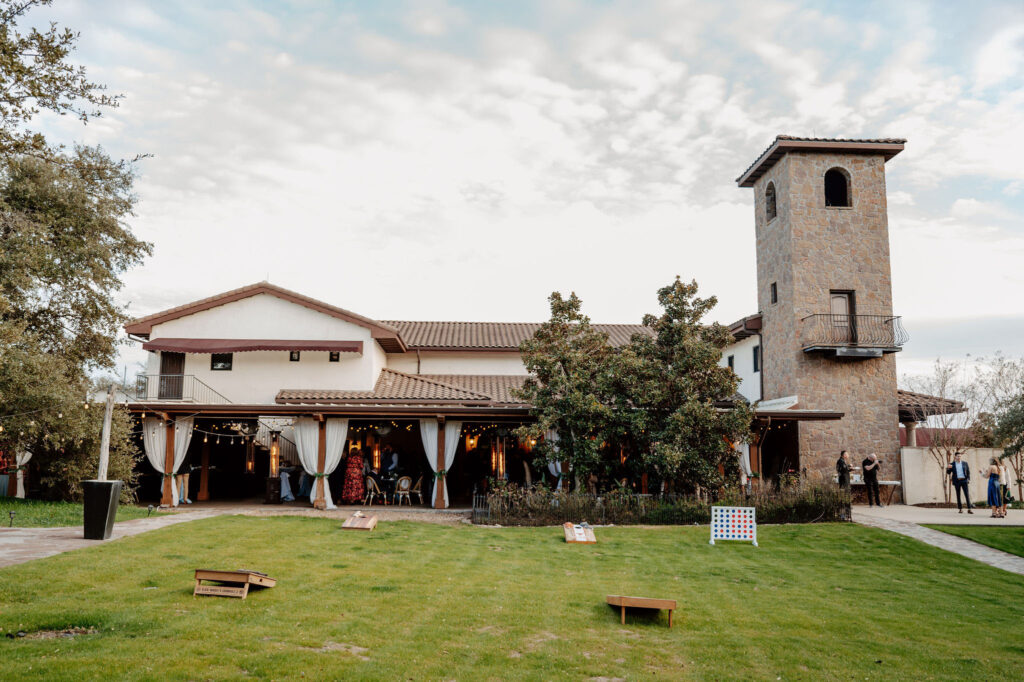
{"x": 419, "y": 601}
{"x": 39, "y": 514}
{"x": 1008, "y": 538}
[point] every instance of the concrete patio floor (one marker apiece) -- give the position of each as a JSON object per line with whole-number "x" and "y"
{"x": 934, "y": 515}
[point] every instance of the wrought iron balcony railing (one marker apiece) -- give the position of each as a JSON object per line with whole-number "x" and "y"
{"x": 852, "y": 335}
{"x": 178, "y": 388}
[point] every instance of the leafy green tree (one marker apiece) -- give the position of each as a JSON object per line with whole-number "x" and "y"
{"x": 1009, "y": 433}
{"x": 659, "y": 405}
{"x": 64, "y": 243}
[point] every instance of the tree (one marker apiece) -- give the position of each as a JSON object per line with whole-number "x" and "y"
{"x": 569, "y": 364}
{"x": 1010, "y": 435}
{"x": 671, "y": 378}
{"x": 63, "y": 246}
{"x": 656, "y": 405}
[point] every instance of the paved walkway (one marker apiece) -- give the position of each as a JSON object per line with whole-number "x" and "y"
{"x": 894, "y": 519}
{"x": 18, "y": 545}
{"x": 937, "y": 516}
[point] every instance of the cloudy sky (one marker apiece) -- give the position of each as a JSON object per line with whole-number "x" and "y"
{"x": 443, "y": 160}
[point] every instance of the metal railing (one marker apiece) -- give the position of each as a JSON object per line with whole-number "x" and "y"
{"x": 864, "y": 331}
{"x": 176, "y": 388}
{"x": 287, "y": 451}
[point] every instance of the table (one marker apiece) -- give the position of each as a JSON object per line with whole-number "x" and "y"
{"x": 642, "y": 603}
{"x": 891, "y": 485}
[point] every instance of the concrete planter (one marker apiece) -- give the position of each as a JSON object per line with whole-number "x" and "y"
{"x": 101, "y": 498}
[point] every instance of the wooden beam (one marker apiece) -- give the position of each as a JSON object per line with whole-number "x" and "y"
{"x": 440, "y": 481}
{"x": 167, "y": 499}
{"x": 204, "y": 475}
{"x": 321, "y": 463}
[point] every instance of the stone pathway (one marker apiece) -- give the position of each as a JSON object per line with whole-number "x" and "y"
{"x": 950, "y": 543}
{"x": 18, "y": 545}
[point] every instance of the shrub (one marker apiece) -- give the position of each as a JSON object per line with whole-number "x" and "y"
{"x": 514, "y": 506}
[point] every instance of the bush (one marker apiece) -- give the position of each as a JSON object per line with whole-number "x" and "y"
{"x": 513, "y": 506}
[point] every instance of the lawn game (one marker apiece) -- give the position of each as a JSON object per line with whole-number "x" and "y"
{"x": 229, "y": 583}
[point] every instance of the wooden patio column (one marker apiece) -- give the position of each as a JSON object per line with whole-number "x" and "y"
{"x": 204, "y": 476}
{"x": 167, "y": 499}
{"x": 321, "y": 463}
{"x": 440, "y": 480}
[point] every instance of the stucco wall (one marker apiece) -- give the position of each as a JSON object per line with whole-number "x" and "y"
{"x": 923, "y": 479}
{"x": 808, "y": 250}
{"x": 454, "y": 362}
{"x": 256, "y": 377}
{"x": 743, "y": 365}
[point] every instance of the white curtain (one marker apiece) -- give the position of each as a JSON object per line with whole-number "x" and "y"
{"x": 307, "y": 435}
{"x": 428, "y": 434}
{"x": 744, "y": 454}
{"x": 154, "y": 440}
{"x": 21, "y": 461}
{"x": 554, "y": 467}
{"x": 337, "y": 431}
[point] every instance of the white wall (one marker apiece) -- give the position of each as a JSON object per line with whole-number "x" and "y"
{"x": 454, "y": 362}
{"x": 923, "y": 480}
{"x": 257, "y": 376}
{"x": 743, "y": 353}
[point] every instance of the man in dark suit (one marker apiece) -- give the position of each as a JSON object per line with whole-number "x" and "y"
{"x": 960, "y": 474}
{"x": 870, "y": 467}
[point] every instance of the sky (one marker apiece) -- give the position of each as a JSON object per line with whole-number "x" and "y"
{"x": 461, "y": 161}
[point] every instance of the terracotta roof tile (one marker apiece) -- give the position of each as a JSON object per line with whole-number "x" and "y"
{"x": 497, "y": 387}
{"x": 920, "y": 405}
{"x": 391, "y": 385}
{"x": 887, "y": 146}
{"x": 499, "y": 336}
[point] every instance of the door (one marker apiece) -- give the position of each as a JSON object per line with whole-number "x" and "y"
{"x": 842, "y": 318}
{"x": 172, "y": 379}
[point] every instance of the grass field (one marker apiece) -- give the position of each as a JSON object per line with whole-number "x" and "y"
{"x": 1009, "y": 538}
{"x": 39, "y": 514}
{"x": 418, "y": 601}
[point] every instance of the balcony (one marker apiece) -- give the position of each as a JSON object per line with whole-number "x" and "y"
{"x": 852, "y": 336}
{"x": 176, "y": 388}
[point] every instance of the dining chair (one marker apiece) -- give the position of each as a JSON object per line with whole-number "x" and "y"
{"x": 417, "y": 490}
{"x": 372, "y": 490}
{"x": 402, "y": 488}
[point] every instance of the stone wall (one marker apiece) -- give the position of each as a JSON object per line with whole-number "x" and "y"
{"x": 808, "y": 250}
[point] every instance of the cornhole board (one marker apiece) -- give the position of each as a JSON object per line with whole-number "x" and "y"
{"x": 642, "y": 603}
{"x": 733, "y": 523}
{"x": 359, "y": 522}
{"x": 230, "y": 583}
{"x": 579, "y": 535}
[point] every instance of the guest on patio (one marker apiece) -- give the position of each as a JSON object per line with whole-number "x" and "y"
{"x": 354, "y": 489}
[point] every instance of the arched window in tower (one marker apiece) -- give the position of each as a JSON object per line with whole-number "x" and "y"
{"x": 837, "y": 188}
{"x": 769, "y": 202}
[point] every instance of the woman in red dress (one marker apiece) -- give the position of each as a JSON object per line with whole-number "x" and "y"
{"x": 354, "y": 489}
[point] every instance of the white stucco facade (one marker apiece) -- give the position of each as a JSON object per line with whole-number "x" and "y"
{"x": 256, "y": 377}
{"x": 458, "y": 362}
{"x": 742, "y": 353}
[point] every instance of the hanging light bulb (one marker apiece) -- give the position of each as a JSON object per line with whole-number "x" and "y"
{"x": 206, "y": 439}
{"x": 60, "y": 415}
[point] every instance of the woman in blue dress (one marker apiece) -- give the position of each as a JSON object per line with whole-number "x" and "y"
{"x": 994, "y": 493}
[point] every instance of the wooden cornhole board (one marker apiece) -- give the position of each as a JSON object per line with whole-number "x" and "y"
{"x": 579, "y": 535}
{"x": 230, "y": 583}
{"x": 642, "y": 603}
{"x": 359, "y": 522}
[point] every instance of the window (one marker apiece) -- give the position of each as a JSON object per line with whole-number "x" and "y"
{"x": 732, "y": 362}
{"x": 769, "y": 202}
{"x": 293, "y": 355}
{"x": 775, "y": 293}
{"x": 757, "y": 358}
{"x": 335, "y": 356}
{"x": 220, "y": 362}
{"x": 837, "y": 188}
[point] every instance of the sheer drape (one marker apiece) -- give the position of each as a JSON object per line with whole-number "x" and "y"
{"x": 307, "y": 435}
{"x": 554, "y": 467}
{"x": 336, "y": 432}
{"x": 428, "y": 434}
{"x": 154, "y": 441}
{"x": 21, "y": 461}
{"x": 307, "y": 442}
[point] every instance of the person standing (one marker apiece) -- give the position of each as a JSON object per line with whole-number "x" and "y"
{"x": 353, "y": 490}
{"x": 870, "y": 467}
{"x": 994, "y": 493}
{"x": 1004, "y": 484}
{"x": 843, "y": 470}
{"x": 960, "y": 473}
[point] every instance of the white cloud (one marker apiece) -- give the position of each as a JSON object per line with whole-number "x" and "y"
{"x": 1001, "y": 58}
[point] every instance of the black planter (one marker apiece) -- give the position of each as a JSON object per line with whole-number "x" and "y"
{"x": 273, "y": 491}
{"x": 101, "y": 499}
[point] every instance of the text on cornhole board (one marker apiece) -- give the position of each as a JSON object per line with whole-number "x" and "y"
{"x": 229, "y": 583}
{"x": 733, "y": 523}
{"x": 582, "y": 535}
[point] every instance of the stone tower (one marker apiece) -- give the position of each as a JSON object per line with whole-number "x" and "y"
{"x": 825, "y": 294}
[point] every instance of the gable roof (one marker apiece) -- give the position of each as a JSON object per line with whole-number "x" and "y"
{"x": 918, "y": 406}
{"x": 887, "y": 147}
{"x": 496, "y": 336}
{"x": 386, "y": 336}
